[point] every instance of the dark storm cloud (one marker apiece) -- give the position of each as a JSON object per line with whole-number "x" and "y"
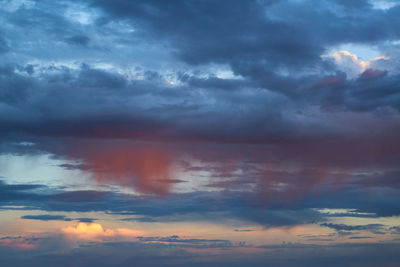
{"x": 102, "y": 103}
{"x": 257, "y": 38}
{"x": 37, "y": 99}
{"x": 48, "y": 217}
{"x": 95, "y": 78}
{"x": 3, "y": 45}
{"x": 85, "y": 220}
{"x": 21, "y": 192}
{"x": 201, "y": 206}
{"x": 341, "y": 227}
{"x": 253, "y": 43}
{"x": 244, "y": 230}
{"x": 18, "y": 187}
{"x": 105, "y": 104}
{"x": 369, "y": 93}
{"x": 238, "y": 30}
{"x": 81, "y": 40}
{"x": 213, "y": 82}
{"x": 236, "y": 33}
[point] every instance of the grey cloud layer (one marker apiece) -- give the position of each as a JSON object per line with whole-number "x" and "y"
{"x": 286, "y": 89}
{"x": 246, "y": 207}
{"x": 78, "y": 76}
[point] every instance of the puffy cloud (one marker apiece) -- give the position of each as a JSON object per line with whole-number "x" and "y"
{"x": 95, "y": 231}
{"x": 352, "y": 65}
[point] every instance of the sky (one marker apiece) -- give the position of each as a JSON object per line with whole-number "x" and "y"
{"x": 201, "y": 133}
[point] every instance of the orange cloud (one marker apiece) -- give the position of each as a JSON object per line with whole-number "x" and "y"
{"x": 96, "y": 232}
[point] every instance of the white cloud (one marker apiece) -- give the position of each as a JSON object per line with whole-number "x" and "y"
{"x": 351, "y": 64}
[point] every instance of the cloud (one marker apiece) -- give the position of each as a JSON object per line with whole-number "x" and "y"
{"x": 353, "y": 66}
{"x": 220, "y": 133}
{"x": 17, "y": 243}
{"x": 360, "y": 237}
{"x": 374, "y": 228}
{"x": 235, "y": 99}
{"x": 80, "y": 40}
{"x": 196, "y": 243}
{"x": 4, "y": 48}
{"x": 371, "y": 74}
{"x": 48, "y": 217}
{"x": 156, "y": 253}
{"x": 146, "y": 168}
{"x": 95, "y": 231}
{"x": 244, "y": 207}
{"x": 85, "y": 220}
